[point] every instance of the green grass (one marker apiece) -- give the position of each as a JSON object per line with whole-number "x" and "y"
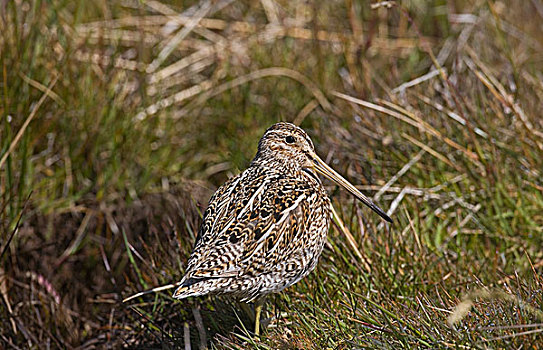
{"x": 110, "y": 173}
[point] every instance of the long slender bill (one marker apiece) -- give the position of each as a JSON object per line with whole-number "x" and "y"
{"x": 331, "y": 174}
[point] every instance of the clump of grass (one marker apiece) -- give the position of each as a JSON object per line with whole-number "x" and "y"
{"x": 120, "y": 118}
{"x": 462, "y": 309}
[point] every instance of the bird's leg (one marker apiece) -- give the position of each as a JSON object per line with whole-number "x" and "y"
{"x": 259, "y": 303}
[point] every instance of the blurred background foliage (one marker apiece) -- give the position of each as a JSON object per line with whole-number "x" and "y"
{"x": 119, "y": 119}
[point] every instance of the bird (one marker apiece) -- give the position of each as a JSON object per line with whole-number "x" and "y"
{"x": 265, "y": 229}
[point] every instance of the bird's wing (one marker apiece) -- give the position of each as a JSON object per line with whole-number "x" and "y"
{"x": 245, "y": 222}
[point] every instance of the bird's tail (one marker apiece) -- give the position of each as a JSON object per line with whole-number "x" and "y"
{"x": 180, "y": 292}
{"x": 188, "y": 289}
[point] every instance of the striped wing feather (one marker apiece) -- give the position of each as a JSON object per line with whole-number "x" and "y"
{"x": 253, "y": 224}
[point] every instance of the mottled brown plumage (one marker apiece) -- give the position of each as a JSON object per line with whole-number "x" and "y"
{"x": 265, "y": 228}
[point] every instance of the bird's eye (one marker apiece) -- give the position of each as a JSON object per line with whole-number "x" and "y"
{"x": 290, "y": 139}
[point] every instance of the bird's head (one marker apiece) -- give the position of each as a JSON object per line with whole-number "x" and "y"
{"x": 287, "y": 148}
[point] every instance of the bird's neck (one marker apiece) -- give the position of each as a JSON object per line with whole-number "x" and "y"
{"x": 277, "y": 164}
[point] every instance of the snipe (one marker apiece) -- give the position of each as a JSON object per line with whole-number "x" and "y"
{"x": 265, "y": 228}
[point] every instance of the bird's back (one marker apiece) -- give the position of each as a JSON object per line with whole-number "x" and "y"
{"x": 262, "y": 231}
